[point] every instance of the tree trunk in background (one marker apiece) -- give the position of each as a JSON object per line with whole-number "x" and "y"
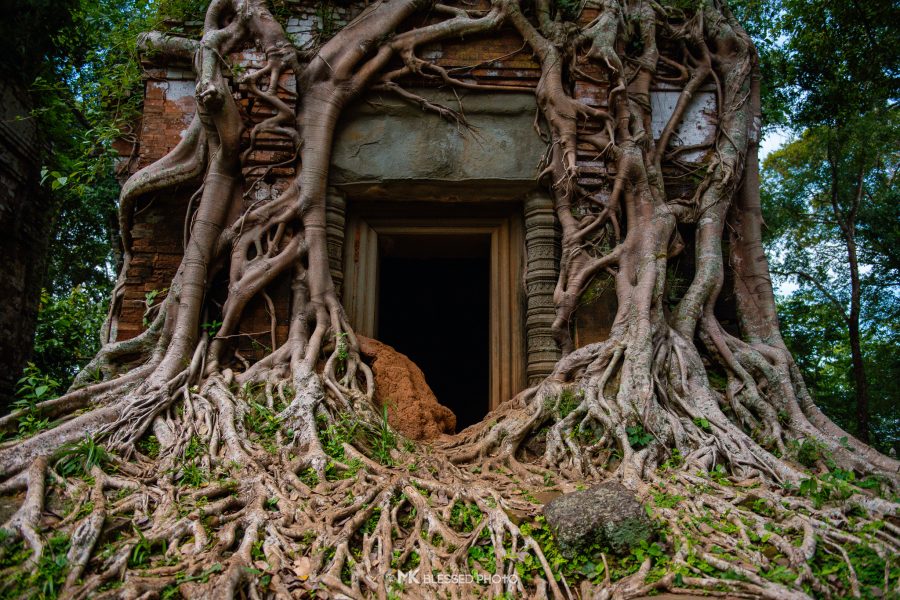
{"x": 846, "y": 220}
{"x": 860, "y": 384}
{"x": 25, "y": 223}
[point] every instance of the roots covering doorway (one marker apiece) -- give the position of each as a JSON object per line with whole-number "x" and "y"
{"x": 434, "y": 306}
{"x": 447, "y": 292}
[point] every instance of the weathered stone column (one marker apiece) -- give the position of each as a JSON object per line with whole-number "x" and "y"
{"x": 26, "y": 221}
{"x": 335, "y": 219}
{"x": 542, "y": 251}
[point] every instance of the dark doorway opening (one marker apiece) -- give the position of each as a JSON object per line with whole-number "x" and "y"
{"x": 434, "y": 307}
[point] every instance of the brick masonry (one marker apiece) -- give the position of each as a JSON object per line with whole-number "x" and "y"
{"x": 25, "y": 210}
{"x": 500, "y": 59}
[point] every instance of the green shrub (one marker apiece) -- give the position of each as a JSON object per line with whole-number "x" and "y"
{"x": 76, "y": 459}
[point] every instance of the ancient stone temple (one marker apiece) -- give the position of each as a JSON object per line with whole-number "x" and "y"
{"x": 431, "y": 219}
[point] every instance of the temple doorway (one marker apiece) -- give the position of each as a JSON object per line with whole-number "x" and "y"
{"x": 434, "y": 307}
{"x": 445, "y": 291}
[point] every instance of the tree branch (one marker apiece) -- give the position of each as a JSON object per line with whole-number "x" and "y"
{"x": 818, "y": 285}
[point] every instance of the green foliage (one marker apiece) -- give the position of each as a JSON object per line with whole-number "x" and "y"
{"x": 45, "y": 580}
{"x": 676, "y": 283}
{"x": 674, "y": 461}
{"x": 149, "y": 445}
{"x": 86, "y": 509}
{"x": 171, "y": 591}
{"x": 567, "y": 9}
{"x": 808, "y": 451}
{"x": 187, "y": 10}
{"x": 67, "y": 332}
{"x": 563, "y": 404}
{"x": 193, "y": 475}
{"x": 341, "y": 349}
{"x": 77, "y": 459}
{"x": 309, "y": 477}
{"x": 383, "y": 439}
{"x": 86, "y": 82}
{"x": 638, "y": 437}
{"x": 333, "y": 436}
{"x": 144, "y": 550}
{"x": 835, "y": 65}
{"x": 702, "y": 424}
{"x": 212, "y": 328}
{"x": 256, "y": 550}
{"x": 12, "y": 553}
{"x": 372, "y": 522}
{"x": 190, "y": 472}
{"x": 482, "y": 555}
{"x": 869, "y": 568}
{"x": 828, "y": 487}
{"x": 263, "y": 425}
{"x": 465, "y": 517}
{"x": 378, "y": 441}
{"x": 326, "y": 17}
{"x": 82, "y": 246}
{"x": 79, "y": 60}
{"x": 588, "y": 563}
{"x": 150, "y": 303}
{"x": 602, "y": 285}
{"x": 195, "y": 448}
{"x": 842, "y": 56}
{"x": 34, "y": 387}
{"x": 664, "y": 500}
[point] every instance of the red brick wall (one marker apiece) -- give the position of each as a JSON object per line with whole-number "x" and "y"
{"x": 157, "y": 232}
{"x": 169, "y": 106}
{"x": 498, "y": 59}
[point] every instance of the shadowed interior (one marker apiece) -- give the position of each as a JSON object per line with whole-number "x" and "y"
{"x": 443, "y": 281}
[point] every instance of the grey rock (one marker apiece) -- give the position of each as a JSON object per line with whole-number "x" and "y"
{"x": 386, "y": 140}
{"x": 607, "y": 514}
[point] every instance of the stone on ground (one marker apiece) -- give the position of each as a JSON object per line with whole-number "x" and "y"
{"x": 607, "y": 515}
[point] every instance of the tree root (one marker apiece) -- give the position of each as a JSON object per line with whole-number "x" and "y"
{"x": 198, "y": 473}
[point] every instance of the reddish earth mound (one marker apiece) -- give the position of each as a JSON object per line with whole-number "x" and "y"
{"x": 413, "y": 409}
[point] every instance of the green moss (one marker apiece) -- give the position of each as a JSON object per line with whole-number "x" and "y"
{"x": 664, "y": 500}
{"x": 808, "y": 452}
{"x": 597, "y": 288}
{"x": 563, "y": 404}
{"x": 149, "y": 445}
{"x": 465, "y": 517}
{"x": 587, "y": 563}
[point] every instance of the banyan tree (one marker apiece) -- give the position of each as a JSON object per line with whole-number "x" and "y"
{"x": 187, "y": 460}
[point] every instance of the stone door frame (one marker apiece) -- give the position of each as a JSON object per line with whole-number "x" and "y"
{"x": 506, "y": 322}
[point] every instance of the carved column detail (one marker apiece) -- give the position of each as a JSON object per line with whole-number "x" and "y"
{"x": 542, "y": 250}
{"x": 335, "y": 219}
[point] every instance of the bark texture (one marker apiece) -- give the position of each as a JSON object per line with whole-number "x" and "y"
{"x": 279, "y": 478}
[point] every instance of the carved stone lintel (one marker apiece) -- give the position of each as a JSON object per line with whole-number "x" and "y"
{"x": 542, "y": 249}
{"x": 335, "y": 219}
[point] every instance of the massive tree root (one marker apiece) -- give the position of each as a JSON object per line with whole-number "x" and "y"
{"x": 188, "y": 470}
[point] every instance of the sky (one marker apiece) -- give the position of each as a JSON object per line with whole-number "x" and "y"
{"x": 771, "y": 141}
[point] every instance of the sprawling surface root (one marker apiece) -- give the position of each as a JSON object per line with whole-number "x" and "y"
{"x": 188, "y": 470}
{"x": 227, "y": 506}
